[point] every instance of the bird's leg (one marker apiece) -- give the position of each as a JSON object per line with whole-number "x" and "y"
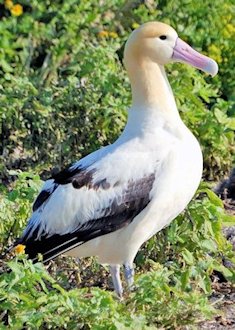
{"x": 115, "y": 272}
{"x": 129, "y": 274}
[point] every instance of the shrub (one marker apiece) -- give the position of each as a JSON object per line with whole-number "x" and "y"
{"x": 64, "y": 92}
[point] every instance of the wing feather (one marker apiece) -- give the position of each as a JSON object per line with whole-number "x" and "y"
{"x": 91, "y": 198}
{"x": 119, "y": 213}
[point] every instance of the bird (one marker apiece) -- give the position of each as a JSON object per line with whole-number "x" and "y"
{"x": 110, "y": 202}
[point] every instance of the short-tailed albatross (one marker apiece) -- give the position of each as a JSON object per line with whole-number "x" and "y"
{"x": 110, "y": 202}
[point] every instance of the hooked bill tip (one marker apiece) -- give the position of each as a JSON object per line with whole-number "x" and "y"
{"x": 211, "y": 68}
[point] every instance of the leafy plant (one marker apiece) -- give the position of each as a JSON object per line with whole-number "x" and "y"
{"x": 64, "y": 92}
{"x": 15, "y": 205}
{"x": 174, "y": 269}
{"x": 31, "y": 298}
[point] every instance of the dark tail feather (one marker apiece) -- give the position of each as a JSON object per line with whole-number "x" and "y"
{"x": 52, "y": 246}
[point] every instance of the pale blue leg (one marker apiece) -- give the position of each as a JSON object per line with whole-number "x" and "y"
{"x": 129, "y": 274}
{"x": 115, "y": 272}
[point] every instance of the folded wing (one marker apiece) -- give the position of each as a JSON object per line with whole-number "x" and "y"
{"x": 76, "y": 206}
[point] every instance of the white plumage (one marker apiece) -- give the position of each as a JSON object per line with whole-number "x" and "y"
{"x": 110, "y": 202}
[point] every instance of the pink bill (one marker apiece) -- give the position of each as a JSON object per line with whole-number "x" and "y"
{"x": 186, "y": 54}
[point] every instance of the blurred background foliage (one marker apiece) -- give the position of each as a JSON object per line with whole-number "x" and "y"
{"x": 65, "y": 93}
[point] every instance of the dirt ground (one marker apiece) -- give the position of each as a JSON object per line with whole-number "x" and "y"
{"x": 224, "y": 300}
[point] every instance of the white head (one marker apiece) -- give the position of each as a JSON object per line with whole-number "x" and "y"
{"x": 159, "y": 43}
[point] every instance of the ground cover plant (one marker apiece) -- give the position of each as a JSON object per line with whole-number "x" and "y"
{"x": 64, "y": 93}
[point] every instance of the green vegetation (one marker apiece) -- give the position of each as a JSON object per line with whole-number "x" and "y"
{"x": 64, "y": 93}
{"x": 174, "y": 269}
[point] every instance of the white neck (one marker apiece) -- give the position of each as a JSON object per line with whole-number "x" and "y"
{"x": 153, "y": 103}
{"x": 150, "y": 88}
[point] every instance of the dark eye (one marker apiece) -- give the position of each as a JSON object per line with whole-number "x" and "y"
{"x": 162, "y": 37}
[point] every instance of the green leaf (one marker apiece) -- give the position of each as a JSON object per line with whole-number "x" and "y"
{"x": 188, "y": 256}
{"x": 214, "y": 198}
{"x": 209, "y": 245}
{"x": 228, "y": 219}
